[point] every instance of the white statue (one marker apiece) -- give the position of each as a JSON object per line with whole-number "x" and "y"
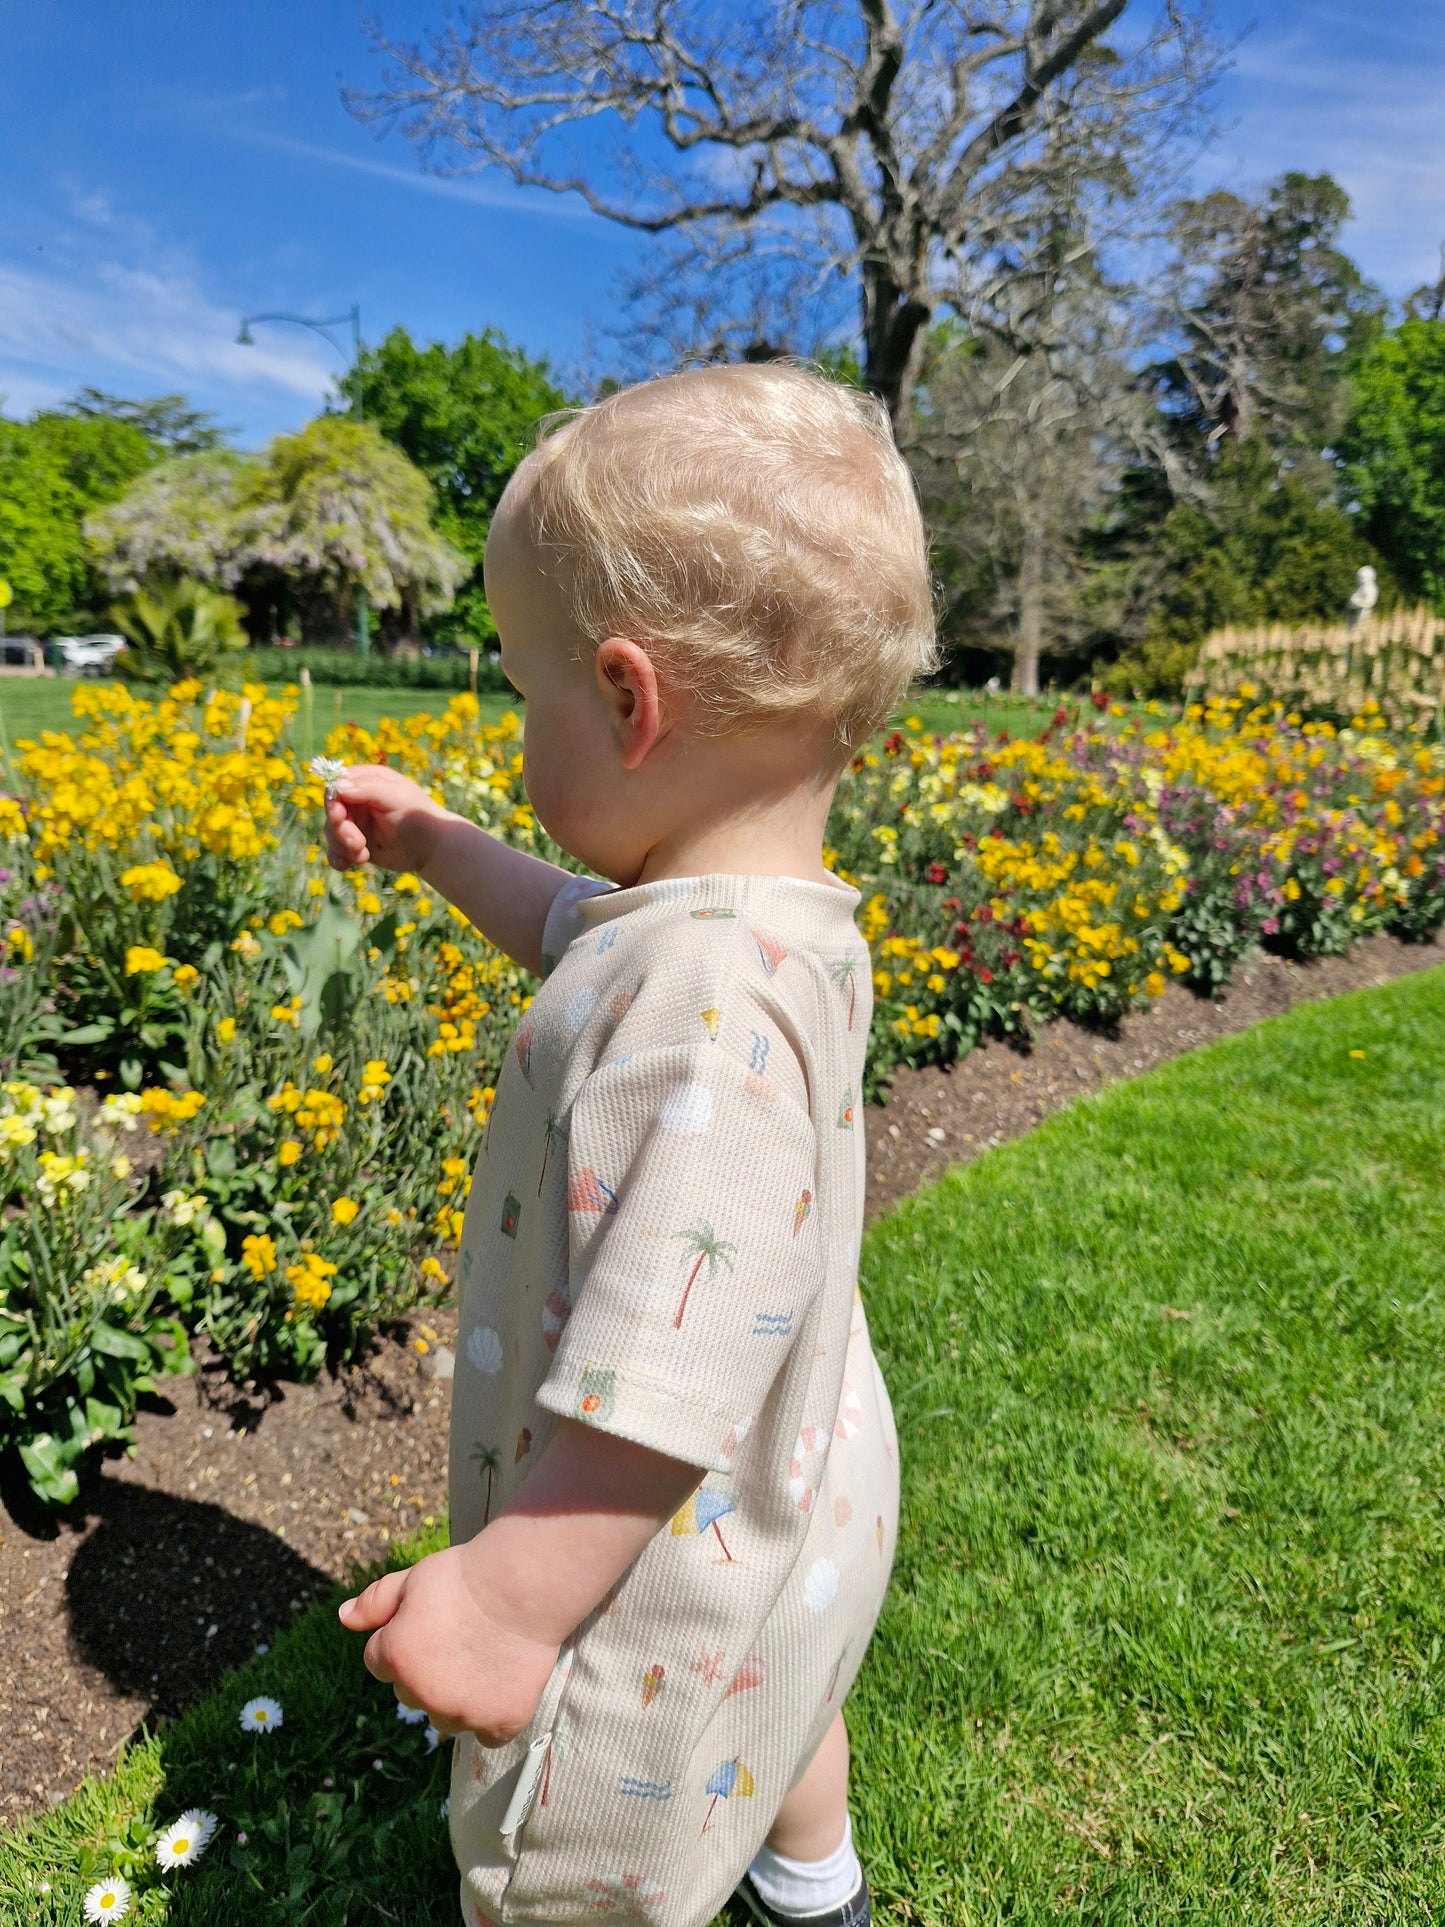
{"x": 1367, "y": 594}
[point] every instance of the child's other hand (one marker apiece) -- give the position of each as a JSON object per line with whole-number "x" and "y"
{"x": 441, "y": 1649}
{"x": 377, "y": 815}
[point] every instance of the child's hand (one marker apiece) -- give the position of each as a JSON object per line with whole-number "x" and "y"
{"x": 377, "y": 815}
{"x": 442, "y": 1650}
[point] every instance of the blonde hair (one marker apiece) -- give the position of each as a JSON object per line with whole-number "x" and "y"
{"x": 756, "y": 527}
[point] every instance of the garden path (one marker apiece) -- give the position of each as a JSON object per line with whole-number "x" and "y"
{"x": 235, "y": 1511}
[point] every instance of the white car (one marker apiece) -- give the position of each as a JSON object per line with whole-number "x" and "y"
{"x": 85, "y": 655}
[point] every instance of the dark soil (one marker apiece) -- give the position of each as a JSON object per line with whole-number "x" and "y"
{"x": 239, "y": 1507}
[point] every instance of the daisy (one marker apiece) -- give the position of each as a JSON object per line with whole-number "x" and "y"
{"x": 445, "y": 1809}
{"x": 187, "y": 1839}
{"x": 260, "y": 1715}
{"x": 330, "y": 769}
{"x": 107, "y": 1900}
{"x": 413, "y": 1715}
{"x": 432, "y": 1737}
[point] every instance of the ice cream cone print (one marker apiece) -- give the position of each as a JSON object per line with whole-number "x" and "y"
{"x": 651, "y": 1683}
{"x": 800, "y": 1211}
{"x": 750, "y": 1673}
{"x": 524, "y": 1444}
{"x": 850, "y": 1413}
{"x": 710, "y": 1020}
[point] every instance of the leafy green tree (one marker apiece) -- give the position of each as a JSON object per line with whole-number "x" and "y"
{"x": 1394, "y": 449}
{"x": 1269, "y": 314}
{"x": 177, "y": 520}
{"x": 53, "y": 471}
{"x": 292, "y": 532}
{"x": 465, "y": 416}
{"x": 338, "y": 507}
{"x": 167, "y": 421}
{"x": 1263, "y": 547}
{"x": 178, "y": 629}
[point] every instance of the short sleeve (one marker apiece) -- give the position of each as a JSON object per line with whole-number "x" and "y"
{"x": 564, "y": 919}
{"x": 694, "y": 1252}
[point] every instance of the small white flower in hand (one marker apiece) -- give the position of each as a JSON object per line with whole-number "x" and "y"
{"x": 330, "y": 769}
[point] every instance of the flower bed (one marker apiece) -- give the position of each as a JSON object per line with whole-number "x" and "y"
{"x": 311, "y": 1057}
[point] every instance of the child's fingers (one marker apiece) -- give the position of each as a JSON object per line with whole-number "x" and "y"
{"x": 376, "y": 1605}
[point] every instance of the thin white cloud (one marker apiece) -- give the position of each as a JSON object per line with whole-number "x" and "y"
{"x": 110, "y": 323}
{"x": 534, "y": 203}
{"x": 1371, "y": 114}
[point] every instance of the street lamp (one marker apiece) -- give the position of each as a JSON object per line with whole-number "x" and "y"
{"x": 321, "y": 327}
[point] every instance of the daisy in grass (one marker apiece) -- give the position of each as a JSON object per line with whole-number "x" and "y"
{"x": 260, "y": 1715}
{"x": 432, "y": 1737}
{"x": 413, "y": 1715}
{"x": 187, "y": 1839}
{"x": 107, "y": 1900}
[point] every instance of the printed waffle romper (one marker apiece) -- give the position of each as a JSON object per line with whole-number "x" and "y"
{"x": 661, "y": 1240}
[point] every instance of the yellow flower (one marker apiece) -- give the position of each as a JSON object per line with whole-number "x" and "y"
{"x": 289, "y": 1152}
{"x": 258, "y": 1255}
{"x": 226, "y": 1029}
{"x": 322, "y": 1064}
{"x": 1154, "y": 984}
{"x": 141, "y": 960}
{"x": 343, "y": 1210}
{"x": 310, "y": 1280}
{"x": 186, "y": 976}
{"x": 282, "y": 921}
{"x": 431, "y": 1269}
{"x": 166, "y": 1111}
{"x": 1357, "y": 1053}
{"x": 150, "y": 882}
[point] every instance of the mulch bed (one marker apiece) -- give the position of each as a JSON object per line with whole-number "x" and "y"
{"x": 240, "y": 1507}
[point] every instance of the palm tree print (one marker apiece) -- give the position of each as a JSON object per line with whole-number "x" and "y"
{"x": 550, "y": 1135}
{"x": 844, "y": 972}
{"x": 489, "y": 1460}
{"x": 704, "y": 1246}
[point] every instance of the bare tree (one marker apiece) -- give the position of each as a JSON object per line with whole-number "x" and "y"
{"x": 898, "y": 145}
{"x": 1017, "y": 440}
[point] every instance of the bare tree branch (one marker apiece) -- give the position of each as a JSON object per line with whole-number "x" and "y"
{"x": 923, "y": 138}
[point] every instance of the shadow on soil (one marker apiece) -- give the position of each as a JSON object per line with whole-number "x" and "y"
{"x": 166, "y": 1594}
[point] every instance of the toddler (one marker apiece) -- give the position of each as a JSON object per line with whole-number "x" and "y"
{"x": 674, "y": 1477}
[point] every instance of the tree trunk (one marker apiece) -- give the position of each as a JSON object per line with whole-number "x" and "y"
{"x": 894, "y": 336}
{"x": 1031, "y": 613}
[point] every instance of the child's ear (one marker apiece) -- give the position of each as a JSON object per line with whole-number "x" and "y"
{"x": 628, "y": 682}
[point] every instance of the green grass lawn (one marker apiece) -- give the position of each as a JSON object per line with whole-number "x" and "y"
{"x": 29, "y": 705}
{"x": 1164, "y": 1640}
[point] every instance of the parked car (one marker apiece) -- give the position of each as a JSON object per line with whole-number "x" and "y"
{"x": 84, "y": 655}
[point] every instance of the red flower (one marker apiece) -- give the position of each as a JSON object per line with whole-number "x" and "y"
{"x": 936, "y": 873}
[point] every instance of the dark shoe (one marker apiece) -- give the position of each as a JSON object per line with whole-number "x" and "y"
{"x": 857, "y": 1912}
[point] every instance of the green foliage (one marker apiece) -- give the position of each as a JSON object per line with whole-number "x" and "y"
{"x": 83, "y": 1327}
{"x": 178, "y": 629}
{"x": 1271, "y": 316}
{"x": 166, "y": 421}
{"x": 1394, "y": 450}
{"x": 465, "y": 416}
{"x": 448, "y": 669}
{"x": 1264, "y": 546}
{"x": 53, "y": 471}
{"x": 179, "y": 520}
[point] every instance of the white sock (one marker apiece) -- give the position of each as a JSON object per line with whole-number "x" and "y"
{"x": 803, "y": 1887}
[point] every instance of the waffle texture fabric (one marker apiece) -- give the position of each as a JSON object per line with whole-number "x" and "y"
{"x": 661, "y": 1240}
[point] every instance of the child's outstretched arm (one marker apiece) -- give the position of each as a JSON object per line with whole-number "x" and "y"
{"x": 472, "y": 1633}
{"x": 377, "y": 815}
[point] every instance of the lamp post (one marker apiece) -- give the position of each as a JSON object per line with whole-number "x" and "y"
{"x": 322, "y": 326}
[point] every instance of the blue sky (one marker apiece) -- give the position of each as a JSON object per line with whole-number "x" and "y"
{"x": 166, "y": 165}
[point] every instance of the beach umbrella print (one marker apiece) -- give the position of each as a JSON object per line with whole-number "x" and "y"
{"x": 587, "y": 1192}
{"x": 729, "y": 1778}
{"x": 771, "y": 951}
{"x": 706, "y": 1506}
